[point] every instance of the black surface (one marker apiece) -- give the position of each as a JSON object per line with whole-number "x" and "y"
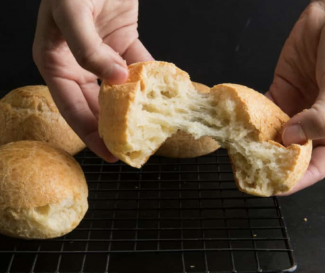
{"x": 183, "y": 215}
{"x": 308, "y": 238}
{"x": 215, "y": 41}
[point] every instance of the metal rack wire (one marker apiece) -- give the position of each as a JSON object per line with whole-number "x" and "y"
{"x": 171, "y": 216}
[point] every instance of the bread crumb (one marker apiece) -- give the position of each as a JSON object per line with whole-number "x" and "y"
{"x": 305, "y": 219}
{"x": 254, "y": 235}
{"x": 192, "y": 266}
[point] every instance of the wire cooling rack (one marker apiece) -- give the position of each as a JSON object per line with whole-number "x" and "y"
{"x": 171, "y": 216}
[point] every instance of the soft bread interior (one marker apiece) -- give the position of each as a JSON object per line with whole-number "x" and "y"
{"x": 165, "y": 105}
{"x": 182, "y": 145}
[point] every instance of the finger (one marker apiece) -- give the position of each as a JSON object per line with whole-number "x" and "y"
{"x": 314, "y": 173}
{"x": 47, "y": 35}
{"x": 137, "y": 53}
{"x": 75, "y": 21}
{"x": 91, "y": 93}
{"x": 309, "y": 124}
{"x": 75, "y": 110}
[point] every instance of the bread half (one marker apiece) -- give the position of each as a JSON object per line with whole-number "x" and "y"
{"x": 29, "y": 113}
{"x": 159, "y": 99}
{"x": 183, "y": 145}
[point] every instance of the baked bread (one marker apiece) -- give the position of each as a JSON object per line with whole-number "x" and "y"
{"x": 43, "y": 191}
{"x": 159, "y": 99}
{"x": 183, "y": 145}
{"x": 29, "y": 113}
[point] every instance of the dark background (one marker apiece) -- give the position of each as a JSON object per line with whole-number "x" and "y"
{"x": 215, "y": 41}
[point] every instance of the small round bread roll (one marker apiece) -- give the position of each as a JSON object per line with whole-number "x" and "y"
{"x": 183, "y": 145}
{"x": 43, "y": 191}
{"x": 29, "y": 113}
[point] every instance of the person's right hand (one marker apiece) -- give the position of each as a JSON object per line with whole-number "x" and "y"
{"x": 79, "y": 41}
{"x": 298, "y": 89}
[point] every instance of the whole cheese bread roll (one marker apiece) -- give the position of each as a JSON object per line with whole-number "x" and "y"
{"x": 43, "y": 191}
{"x": 29, "y": 113}
{"x": 159, "y": 99}
{"x": 183, "y": 145}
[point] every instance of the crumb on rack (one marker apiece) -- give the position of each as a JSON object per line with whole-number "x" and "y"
{"x": 305, "y": 219}
{"x": 192, "y": 266}
{"x": 254, "y": 235}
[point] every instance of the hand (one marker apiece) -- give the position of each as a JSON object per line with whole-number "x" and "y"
{"x": 299, "y": 83}
{"x": 76, "y": 42}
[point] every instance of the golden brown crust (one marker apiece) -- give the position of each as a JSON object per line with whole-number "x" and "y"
{"x": 183, "y": 145}
{"x": 302, "y": 160}
{"x": 114, "y": 105}
{"x": 34, "y": 174}
{"x": 32, "y": 97}
{"x": 250, "y": 105}
{"x": 139, "y": 71}
{"x": 29, "y": 113}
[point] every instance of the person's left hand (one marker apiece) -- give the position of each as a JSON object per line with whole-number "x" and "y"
{"x": 299, "y": 84}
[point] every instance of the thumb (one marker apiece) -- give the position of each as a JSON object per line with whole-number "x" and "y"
{"x": 76, "y": 23}
{"x": 309, "y": 124}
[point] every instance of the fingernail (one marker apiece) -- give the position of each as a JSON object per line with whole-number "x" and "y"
{"x": 294, "y": 135}
{"x": 117, "y": 74}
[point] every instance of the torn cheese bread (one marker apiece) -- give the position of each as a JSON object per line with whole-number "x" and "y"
{"x": 183, "y": 145}
{"x": 159, "y": 99}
